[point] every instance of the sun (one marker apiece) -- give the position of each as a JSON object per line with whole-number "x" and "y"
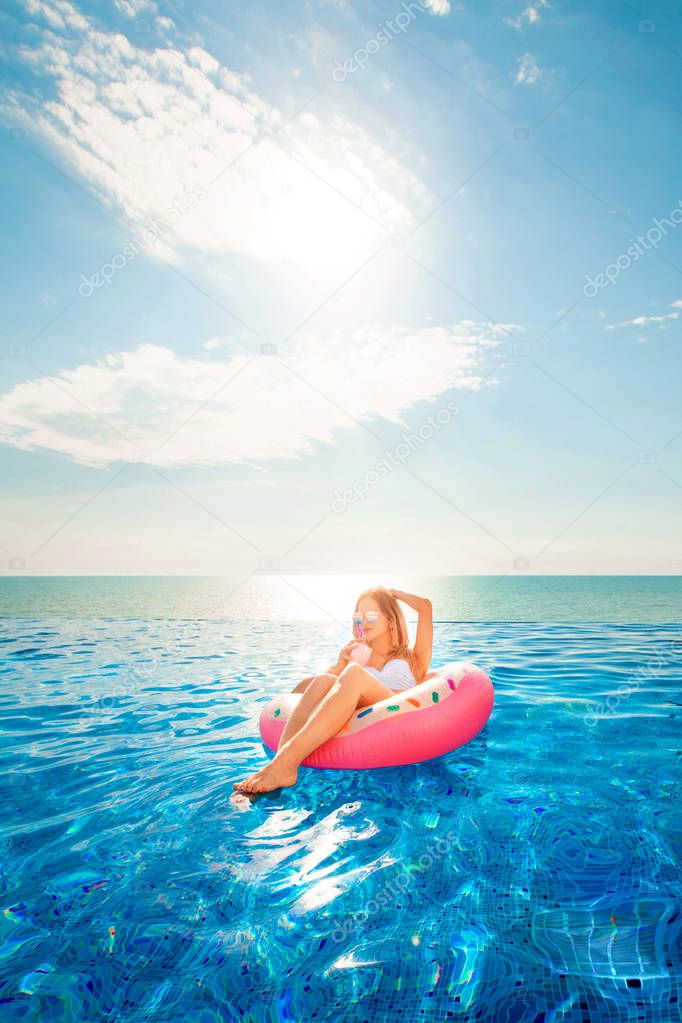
{"x": 304, "y": 213}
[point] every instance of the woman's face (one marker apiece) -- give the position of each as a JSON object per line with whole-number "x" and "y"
{"x": 373, "y": 623}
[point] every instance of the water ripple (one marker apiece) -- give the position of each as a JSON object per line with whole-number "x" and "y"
{"x": 533, "y": 874}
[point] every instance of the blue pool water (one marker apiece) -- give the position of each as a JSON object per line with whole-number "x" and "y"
{"x": 532, "y": 875}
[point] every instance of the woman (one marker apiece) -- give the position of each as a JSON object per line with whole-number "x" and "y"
{"x": 330, "y": 700}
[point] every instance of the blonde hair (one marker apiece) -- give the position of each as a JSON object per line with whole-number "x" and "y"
{"x": 397, "y": 625}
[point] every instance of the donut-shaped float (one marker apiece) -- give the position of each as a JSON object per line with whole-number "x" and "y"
{"x": 430, "y": 719}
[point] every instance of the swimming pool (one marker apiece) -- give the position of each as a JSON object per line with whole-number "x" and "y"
{"x": 531, "y": 875}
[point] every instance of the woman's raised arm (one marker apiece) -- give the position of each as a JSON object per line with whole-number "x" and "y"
{"x": 423, "y": 644}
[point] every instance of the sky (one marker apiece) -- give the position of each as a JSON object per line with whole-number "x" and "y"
{"x": 340, "y": 287}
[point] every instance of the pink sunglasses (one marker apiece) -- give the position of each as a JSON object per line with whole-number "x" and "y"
{"x": 371, "y": 617}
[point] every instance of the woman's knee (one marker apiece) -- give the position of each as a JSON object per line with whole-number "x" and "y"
{"x": 302, "y": 685}
{"x": 306, "y": 683}
{"x": 322, "y": 682}
{"x": 354, "y": 675}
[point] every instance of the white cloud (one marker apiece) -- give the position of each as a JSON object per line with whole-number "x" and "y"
{"x": 438, "y": 6}
{"x": 133, "y": 8}
{"x": 528, "y": 70}
{"x": 242, "y": 407}
{"x": 140, "y": 126}
{"x": 529, "y": 16}
{"x": 640, "y": 321}
{"x": 435, "y": 6}
{"x": 58, "y": 14}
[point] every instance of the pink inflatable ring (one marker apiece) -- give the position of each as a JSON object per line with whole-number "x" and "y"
{"x": 433, "y": 718}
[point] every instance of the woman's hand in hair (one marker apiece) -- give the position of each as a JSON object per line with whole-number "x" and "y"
{"x": 419, "y": 604}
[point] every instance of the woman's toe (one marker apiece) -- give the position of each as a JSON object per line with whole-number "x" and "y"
{"x": 257, "y": 782}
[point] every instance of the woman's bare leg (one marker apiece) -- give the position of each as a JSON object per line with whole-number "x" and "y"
{"x": 354, "y": 685}
{"x": 302, "y": 686}
{"x": 316, "y": 691}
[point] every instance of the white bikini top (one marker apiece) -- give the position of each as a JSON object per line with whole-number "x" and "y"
{"x": 395, "y": 674}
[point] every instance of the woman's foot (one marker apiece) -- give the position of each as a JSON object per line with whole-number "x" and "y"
{"x": 273, "y": 776}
